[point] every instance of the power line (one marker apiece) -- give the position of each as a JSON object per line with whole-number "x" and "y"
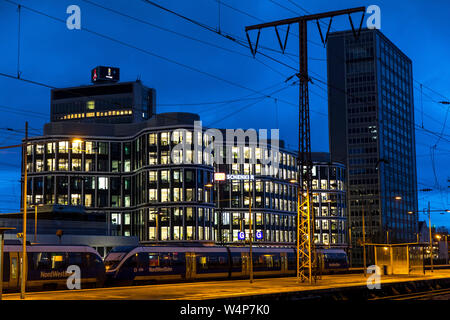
{"x": 139, "y": 49}
{"x": 180, "y": 34}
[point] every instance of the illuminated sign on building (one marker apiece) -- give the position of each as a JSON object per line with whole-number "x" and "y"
{"x": 241, "y": 235}
{"x": 259, "y": 235}
{"x": 240, "y": 177}
{"x": 219, "y": 176}
{"x": 101, "y": 74}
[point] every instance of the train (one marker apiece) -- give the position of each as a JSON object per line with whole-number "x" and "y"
{"x": 150, "y": 264}
{"x": 48, "y": 265}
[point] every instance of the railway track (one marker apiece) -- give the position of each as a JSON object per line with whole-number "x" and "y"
{"x": 424, "y": 295}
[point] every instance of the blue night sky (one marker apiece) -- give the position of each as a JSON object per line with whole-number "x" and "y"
{"x": 56, "y": 56}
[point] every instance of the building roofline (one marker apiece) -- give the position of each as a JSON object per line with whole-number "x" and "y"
{"x": 381, "y": 34}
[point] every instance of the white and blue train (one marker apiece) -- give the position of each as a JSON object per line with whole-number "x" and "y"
{"x": 47, "y": 266}
{"x": 149, "y": 264}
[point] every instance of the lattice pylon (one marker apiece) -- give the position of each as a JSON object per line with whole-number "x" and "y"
{"x": 304, "y": 252}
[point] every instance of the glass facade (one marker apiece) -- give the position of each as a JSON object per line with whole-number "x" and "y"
{"x": 372, "y": 79}
{"x": 148, "y": 193}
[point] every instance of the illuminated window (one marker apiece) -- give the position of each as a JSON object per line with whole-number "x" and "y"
{"x": 40, "y": 149}
{"x": 63, "y": 164}
{"x": 152, "y": 158}
{"x": 90, "y": 105}
{"x": 189, "y": 194}
{"x": 152, "y": 176}
{"x": 62, "y": 199}
{"x": 116, "y": 219}
{"x": 77, "y": 147}
{"x": 153, "y": 139}
{"x": 177, "y": 136}
{"x": 51, "y": 164}
{"x": 165, "y": 138}
{"x": 89, "y": 165}
{"x": 50, "y": 147}
{"x": 177, "y": 233}
{"x": 177, "y": 194}
{"x": 153, "y": 195}
{"x": 188, "y": 137}
{"x": 63, "y": 146}
{"x": 164, "y": 233}
{"x": 76, "y": 164}
{"x": 127, "y": 165}
{"x": 165, "y": 195}
{"x": 152, "y": 236}
{"x": 177, "y": 176}
{"x": 75, "y": 199}
{"x": 102, "y": 183}
{"x": 177, "y": 156}
{"x": 189, "y": 233}
{"x": 165, "y": 157}
{"x": 165, "y": 176}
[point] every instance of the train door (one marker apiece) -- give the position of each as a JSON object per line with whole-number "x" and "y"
{"x": 191, "y": 265}
{"x": 13, "y": 270}
{"x": 245, "y": 263}
{"x": 284, "y": 262}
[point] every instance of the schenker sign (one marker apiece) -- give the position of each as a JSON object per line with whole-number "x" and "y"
{"x": 220, "y": 176}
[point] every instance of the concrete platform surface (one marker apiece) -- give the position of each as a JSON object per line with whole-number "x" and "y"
{"x": 219, "y": 289}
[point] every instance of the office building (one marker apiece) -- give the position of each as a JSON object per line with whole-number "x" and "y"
{"x": 132, "y": 170}
{"x": 371, "y": 119}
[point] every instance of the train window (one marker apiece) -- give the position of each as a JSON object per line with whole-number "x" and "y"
{"x": 276, "y": 261}
{"x": 268, "y": 260}
{"x": 58, "y": 260}
{"x": 165, "y": 259}
{"x": 212, "y": 261}
{"x": 42, "y": 260}
{"x": 153, "y": 259}
{"x": 177, "y": 259}
{"x": 5, "y": 266}
{"x": 237, "y": 261}
{"x": 75, "y": 258}
{"x": 131, "y": 262}
{"x": 14, "y": 268}
{"x": 203, "y": 262}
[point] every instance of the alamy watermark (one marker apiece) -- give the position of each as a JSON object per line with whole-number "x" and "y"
{"x": 74, "y": 280}
{"x": 227, "y": 146}
{"x": 374, "y": 20}
{"x": 374, "y": 280}
{"x": 74, "y": 20}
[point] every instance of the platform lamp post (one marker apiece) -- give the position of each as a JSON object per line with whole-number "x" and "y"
{"x": 2, "y": 242}
{"x": 250, "y": 196}
{"x": 210, "y": 186}
{"x": 24, "y": 223}
{"x": 35, "y": 219}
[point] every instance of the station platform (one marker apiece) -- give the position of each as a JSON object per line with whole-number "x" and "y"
{"x": 261, "y": 288}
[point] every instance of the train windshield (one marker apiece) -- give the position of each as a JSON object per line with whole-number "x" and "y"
{"x": 335, "y": 257}
{"x": 116, "y": 255}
